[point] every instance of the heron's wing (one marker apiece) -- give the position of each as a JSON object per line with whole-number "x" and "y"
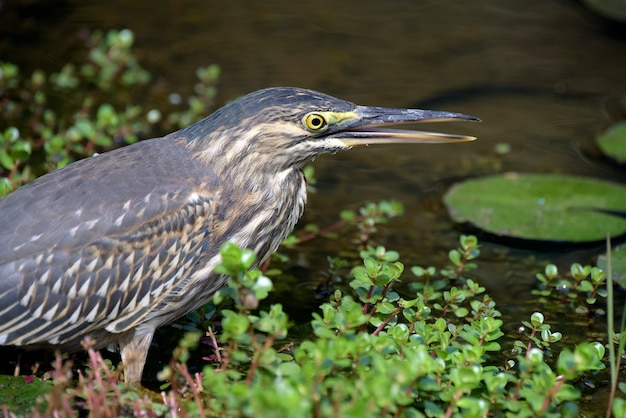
{"x": 104, "y": 195}
{"x": 96, "y": 245}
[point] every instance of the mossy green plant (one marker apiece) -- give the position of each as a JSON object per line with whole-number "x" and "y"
{"x": 378, "y": 353}
{"x": 38, "y": 134}
{"x": 374, "y": 351}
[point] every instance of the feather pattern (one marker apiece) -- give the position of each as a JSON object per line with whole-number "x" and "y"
{"x": 118, "y": 244}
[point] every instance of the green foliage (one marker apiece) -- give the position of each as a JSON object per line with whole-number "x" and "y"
{"x": 378, "y": 353}
{"x": 375, "y": 351}
{"x": 612, "y": 142}
{"x": 365, "y": 220}
{"x": 51, "y": 120}
{"x": 20, "y": 393}
{"x": 582, "y": 281}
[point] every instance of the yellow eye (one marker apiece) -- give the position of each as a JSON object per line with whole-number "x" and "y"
{"x": 315, "y": 121}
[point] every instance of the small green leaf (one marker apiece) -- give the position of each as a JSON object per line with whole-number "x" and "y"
{"x": 461, "y": 312}
{"x": 612, "y": 142}
{"x": 11, "y": 134}
{"x": 551, "y": 271}
{"x": 536, "y": 319}
{"x": 535, "y": 356}
{"x": 6, "y": 160}
{"x": 455, "y": 257}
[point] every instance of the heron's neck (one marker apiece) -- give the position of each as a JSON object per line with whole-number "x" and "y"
{"x": 274, "y": 203}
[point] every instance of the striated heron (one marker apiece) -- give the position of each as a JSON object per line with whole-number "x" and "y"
{"x": 118, "y": 244}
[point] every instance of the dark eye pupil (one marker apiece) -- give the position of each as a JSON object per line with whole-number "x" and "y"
{"x": 316, "y": 122}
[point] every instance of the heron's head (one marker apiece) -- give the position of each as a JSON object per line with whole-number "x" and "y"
{"x": 283, "y": 127}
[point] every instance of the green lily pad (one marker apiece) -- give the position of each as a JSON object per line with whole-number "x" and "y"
{"x": 612, "y": 142}
{"x": 618, "y": 264}
{"x": 541, "y": 207}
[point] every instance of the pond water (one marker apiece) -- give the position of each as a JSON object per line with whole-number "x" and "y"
{"x": 544, "y": 76}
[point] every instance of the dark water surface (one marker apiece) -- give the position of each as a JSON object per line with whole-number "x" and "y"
{"x": 543, "y": 75}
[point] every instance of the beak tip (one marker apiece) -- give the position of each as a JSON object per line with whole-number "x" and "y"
{"x": 469, "y": 118}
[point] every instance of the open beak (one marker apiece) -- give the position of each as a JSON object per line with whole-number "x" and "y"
{"x": 368, "y": 127}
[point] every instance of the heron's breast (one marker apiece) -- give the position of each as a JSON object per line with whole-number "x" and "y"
{"x": 262, "y": 216}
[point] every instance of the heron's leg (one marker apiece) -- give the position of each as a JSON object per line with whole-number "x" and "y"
{"x": 134, "y": 353}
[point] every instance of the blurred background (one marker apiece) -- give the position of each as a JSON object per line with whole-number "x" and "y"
{"x": 545, "y": 76}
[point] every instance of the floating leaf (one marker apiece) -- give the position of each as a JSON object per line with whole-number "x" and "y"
{"x": 540, "y": 206}
{"x": 618, "y": 264}
{"x": 612, "y": 142}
